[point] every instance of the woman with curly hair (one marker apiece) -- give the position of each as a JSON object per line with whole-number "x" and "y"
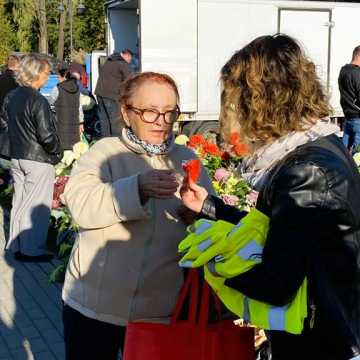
{"x": 306, "y": 181}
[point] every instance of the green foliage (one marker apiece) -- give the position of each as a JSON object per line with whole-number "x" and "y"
{"x": 24, "y": 23}
{"x": 89, "y": 29}
{"x": 61, "y": 238}
{"x": 21, "y": 30}
{"x": 7, "y": 37}
{"x": 211, "y": 163}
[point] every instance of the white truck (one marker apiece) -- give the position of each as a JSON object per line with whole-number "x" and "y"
{"x": 192, "y": 39}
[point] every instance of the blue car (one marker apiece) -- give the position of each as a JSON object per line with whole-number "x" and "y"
{"x": 50, "y": 84}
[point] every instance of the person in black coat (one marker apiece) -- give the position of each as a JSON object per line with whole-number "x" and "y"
{"x": 308, "y": 185}
{"x": 7, "y": 79}
{"x": 108, "y": 90}
{"x": 34, "y": 150}
{"x": 65, "y": 97}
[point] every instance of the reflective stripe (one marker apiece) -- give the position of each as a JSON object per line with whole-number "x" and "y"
{"x": 277, "y": 317}
{"x": 203, "y": 227}
{"x": 219, "y": 258}
{"x": 211, "y": 268}
{"x": 205, "y": 244}
{"x": 186, "y": 264}
{"x": 250, "y": 250}
{"x": 236, "y": 227}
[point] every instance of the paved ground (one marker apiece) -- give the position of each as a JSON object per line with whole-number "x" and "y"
{"x": 30, "y": 309}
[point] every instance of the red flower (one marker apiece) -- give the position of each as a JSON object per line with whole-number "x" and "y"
{"x": 211, "y": 149}
{"x": 225, "y": 156}
{"x": 59, "y": 188}
{"x": 234, "y": 138}
{"x": 240, "y": 149}
{"x": 192, "y": 169}
{"x": 196, "y": 140}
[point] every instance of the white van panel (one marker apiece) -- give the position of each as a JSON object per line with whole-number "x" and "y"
{"x": 169, "y": 44}
{"x": 311, "y": 29}
{"x": 225, "y": 27}
{"x": 345, "y": 37}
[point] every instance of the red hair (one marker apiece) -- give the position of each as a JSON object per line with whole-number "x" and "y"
{"x": 135, "y": 81}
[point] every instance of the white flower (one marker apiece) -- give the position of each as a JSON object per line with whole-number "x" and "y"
{"x": 80, "y": 148}
{"x": 181, "y": 140}
{"x": 356, "y": 158}
{"x": 68, "y": 157}
{"x": 59, "y": 168}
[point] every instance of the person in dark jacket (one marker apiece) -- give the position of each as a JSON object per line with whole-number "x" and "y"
{"x": 7, "y": 79}
{"x": 307, "y": 183}
{"x": 34, "y": 150}
{"x": 349, "y": 86}
{"x": 112, "y": 75}
{"x": 66, "y": 99}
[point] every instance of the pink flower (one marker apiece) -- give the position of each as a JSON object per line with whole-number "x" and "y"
{"x": 251, "y": 197}
{"x": 231, "y": 200}
{"x": 221, "y": 175}
{"x": 2, "y": 182}
{"x": 56, "y": 204}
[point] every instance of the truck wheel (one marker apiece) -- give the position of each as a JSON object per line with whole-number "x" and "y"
{"x": 187, "y": 128}
{"x": 209, "y": 129}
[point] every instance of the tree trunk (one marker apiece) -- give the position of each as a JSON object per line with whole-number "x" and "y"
{"x": 60, "y": 51}
{"x": 43, "y": 38}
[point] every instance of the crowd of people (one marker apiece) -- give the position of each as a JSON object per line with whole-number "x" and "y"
{"x": 132, "y": 202}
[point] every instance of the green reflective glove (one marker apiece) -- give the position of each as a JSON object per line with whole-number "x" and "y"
{"x": 203, "y": 244}
{"x": 223, "y": 239}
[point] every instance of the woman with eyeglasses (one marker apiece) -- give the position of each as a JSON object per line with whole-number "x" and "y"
{"x": 124, "y": 195}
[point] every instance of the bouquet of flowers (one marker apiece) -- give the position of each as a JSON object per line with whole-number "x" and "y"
{"x": 221, "y": 164}
{"x": 63, "y": 230}
{"x": 70, "y": 156}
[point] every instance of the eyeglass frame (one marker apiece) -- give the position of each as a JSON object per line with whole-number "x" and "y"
{"x": 140, "y": 112}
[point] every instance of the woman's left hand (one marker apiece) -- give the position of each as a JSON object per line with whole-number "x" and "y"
{"x": 193, "y": 196}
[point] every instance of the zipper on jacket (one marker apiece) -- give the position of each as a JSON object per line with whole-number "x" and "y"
{"x": 312, "y": 317}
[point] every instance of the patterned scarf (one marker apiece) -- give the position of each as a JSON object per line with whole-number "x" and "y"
{"x": 256, "y": 168}
{"x": 151, "y": 149}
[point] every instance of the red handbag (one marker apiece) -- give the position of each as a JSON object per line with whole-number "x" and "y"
{"x": 192, "y": 339}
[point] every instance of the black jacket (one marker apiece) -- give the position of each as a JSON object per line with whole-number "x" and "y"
{"x": 112, "y": 74}
{"x": 31, "y": 127}
{"x": 67, "y": 113}
{"x": 312, "y": 199}
{"x": 349, "y": 86}
{"x": 7, "y": 83}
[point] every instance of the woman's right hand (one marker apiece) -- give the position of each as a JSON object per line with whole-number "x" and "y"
{"x": 193, "y": 195}
{"x": 158, "y": 184}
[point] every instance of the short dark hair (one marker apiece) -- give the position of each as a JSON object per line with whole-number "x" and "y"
{"x": 127, "y": 51}
{"x": 62, "y": 72}
{"x": 356, "y": 52}
{"x": 12, "y": 61}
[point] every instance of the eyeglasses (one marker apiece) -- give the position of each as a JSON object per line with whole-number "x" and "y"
{"x": 150, "y": 116}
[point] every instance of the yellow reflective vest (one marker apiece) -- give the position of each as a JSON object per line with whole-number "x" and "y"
{"x": 228, "y": 250}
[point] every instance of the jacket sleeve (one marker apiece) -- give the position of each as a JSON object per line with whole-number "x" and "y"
{"x": 215, "y": 209}
{"x": 4, "y": 116}
{"x": 297, "y": 217}
{"x": 45, "y": 127}
{"x": 124, "y": 71}
{"x": 95, "y": 200}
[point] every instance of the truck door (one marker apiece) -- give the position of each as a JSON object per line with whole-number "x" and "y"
{"x": 312, "y": 28}
{"x": 168, "y": 38}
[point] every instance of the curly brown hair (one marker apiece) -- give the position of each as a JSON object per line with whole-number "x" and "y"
{"x": 269, "y": 89}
